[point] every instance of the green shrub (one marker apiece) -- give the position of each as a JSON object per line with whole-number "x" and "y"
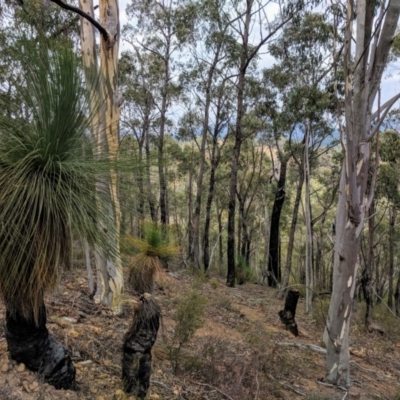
{"x": 243, "y": 272}
{"x": 189, "y": 318}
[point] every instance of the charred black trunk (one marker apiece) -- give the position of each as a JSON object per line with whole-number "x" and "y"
{"x": 274, "y": 268}
{"x": 138, "y": 341}
{"x": 397, "y": 297}
{"x": 29, "y": 342}
{"x": 289, "y": 312}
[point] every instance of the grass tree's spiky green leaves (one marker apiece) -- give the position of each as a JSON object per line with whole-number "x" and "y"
{"x": 145, "y": 255}
{"x": 47, "y": 178}
{"x": 157, "y": 242}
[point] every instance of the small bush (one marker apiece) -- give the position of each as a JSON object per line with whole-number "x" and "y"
{"x": 243, "y": 272}
{"x": 320, "y": 311}
{"x": 189, "y": 317}
{"x": 214, "y": 283}
{"x": 225, "y": 303}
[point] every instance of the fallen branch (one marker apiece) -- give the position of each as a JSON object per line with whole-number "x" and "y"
{"x": 294, "y": 390}
{"x": 312, "y": 347}
{"x": 213, "y": 388}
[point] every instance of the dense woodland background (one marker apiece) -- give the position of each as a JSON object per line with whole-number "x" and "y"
{"x": 229, "y": 143}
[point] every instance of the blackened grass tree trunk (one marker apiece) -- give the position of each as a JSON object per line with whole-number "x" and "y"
{"x": 138, "y": 342}
{"x": 375, "y": 26}
{"x": 29, "y": 342}
{"x": 47, "y": 200}
{"x": 248, "y": 51}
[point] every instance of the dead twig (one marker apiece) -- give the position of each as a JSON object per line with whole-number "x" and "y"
{"x": 294, "y": 390}
{"x": 312, "y": 347}
{"x": 213, "y": 388}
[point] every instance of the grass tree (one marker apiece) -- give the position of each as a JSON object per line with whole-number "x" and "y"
{"x": 147, "y": 256}
{"x": 47, "y": 198}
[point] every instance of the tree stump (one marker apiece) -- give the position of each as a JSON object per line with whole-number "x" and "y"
{"x": 289, "y": 312}
{"x": 138, "y": 341}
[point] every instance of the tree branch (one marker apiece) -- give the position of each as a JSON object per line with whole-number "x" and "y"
{"x": 385, "y": 106}
{"x": 77, "y": 10}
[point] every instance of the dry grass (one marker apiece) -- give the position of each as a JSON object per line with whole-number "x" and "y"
{"x": 235, "y": 355}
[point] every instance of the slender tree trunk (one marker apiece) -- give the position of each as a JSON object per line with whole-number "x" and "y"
{"x": 309, "y": 252}
{"x": 161, "y": 170}
{"x": 140, "y": 182}
{"x": 89, "y": 266}
{"x": 210, "y": 197}
{"x": 190, "y": 215}
{"x": 200, "y": 176}
{"x": 29, "y": 342}
{"x": 221, "y": 245}
{"x": 321, "y": 281}
{"x": 274, "y": 269}
{"x": 266, "y": 233}
{"x": 348, "y": 237}
{"x": 230, "y": 280}
{"x": 238, "y": 143}
{"x": 150, "y": 196}
{"x": 292, "y": 231}
{"x": 392, "y": 214}
{"x": 366, "y": 278}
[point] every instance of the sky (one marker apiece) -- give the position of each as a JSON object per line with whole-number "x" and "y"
{"x": 390, "y": 84}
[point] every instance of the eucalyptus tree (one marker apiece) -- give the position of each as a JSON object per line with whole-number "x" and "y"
{"x": 365, "y": 59}
{"x": 105, "y": 128}
{"x": 222, "y": 114}
{"x": 140, "y": 81}
{"x": 252, "y": 181}
{"x": 248, "y": 14}
{"x": 388, "y": 186}
{"x": 209, "y": 67}
{"x": 36, "y": 21}
{"x": 47, "y": 185}
{"x": 299, "y": 77}
{"x": 162, "y": 28}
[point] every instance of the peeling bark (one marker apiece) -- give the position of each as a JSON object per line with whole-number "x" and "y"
{"x": 363, "y": 75}
{"x": 105, "y": 131}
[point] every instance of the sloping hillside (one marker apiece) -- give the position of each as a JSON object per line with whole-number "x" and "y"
{"x": 241, "y": 352}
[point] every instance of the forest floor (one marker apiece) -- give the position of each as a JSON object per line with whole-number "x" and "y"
{"x": 238, "y": 354}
